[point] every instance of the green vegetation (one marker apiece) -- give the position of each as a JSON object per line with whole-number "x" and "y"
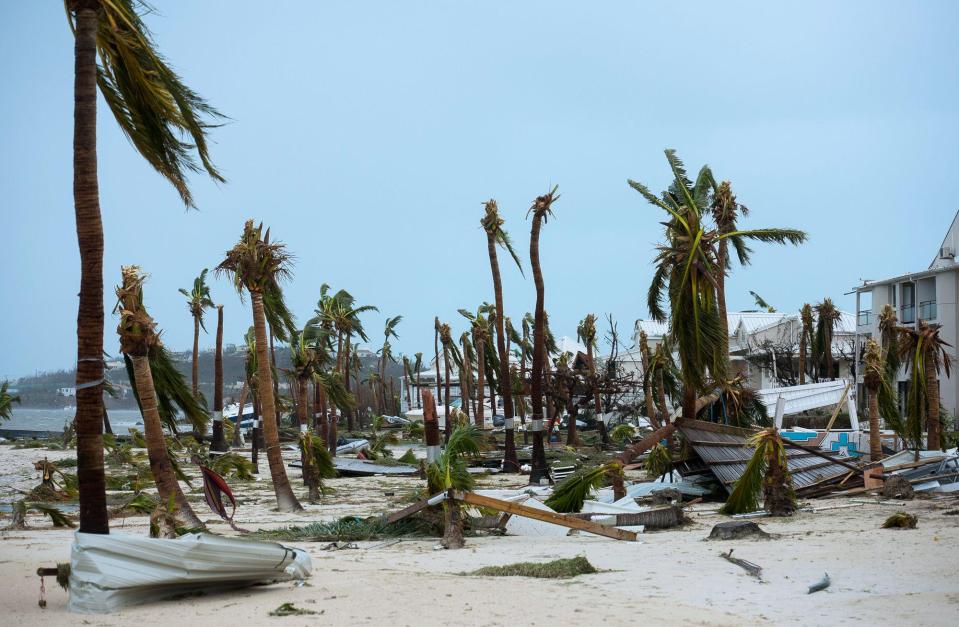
{"x": 556, "y": 569}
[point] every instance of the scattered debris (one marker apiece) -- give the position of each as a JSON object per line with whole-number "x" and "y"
{"x": 736, "y": 530}
{"x": 897, "y": 487}
{"x": 822, "y": 584}
{"x": 339, "y": 546}
{"x": 556, "y": 569}
{"x": 901, "y": 520}
{"x": 753, "y": 569}
{"x": 288, "y": 609}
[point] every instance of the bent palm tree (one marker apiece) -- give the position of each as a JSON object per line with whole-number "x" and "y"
{"x": 256, "y": 264}
{"x": 153, "y": 108}
{"x": 492, "y": 224}
{"x": 138, "y": 337}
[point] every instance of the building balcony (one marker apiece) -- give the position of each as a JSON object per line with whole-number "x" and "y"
{"x": 928, "y": 310}
{"x": 865, "y": 318}
{"x": 907, "y": 314}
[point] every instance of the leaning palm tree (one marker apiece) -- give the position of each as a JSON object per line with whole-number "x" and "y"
{"x": 138, "y": 337}
{"x": 492, "y": 224}
{"x": 198, "y": 301}
{"x": 924, "y": 354}
{"x": 6, "y": 401}
{"x": 154, "y": 109}
{"x": 256, "y": 264}
{"x": 805, "y": 339}
{"x": 768, "y": 473}
{"x": 725, "y": 211}
{"x": 541, "y": 209}
{"x": 827, "y": 317}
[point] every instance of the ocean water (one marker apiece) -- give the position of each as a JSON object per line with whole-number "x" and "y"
{"x": 54, "y": 419}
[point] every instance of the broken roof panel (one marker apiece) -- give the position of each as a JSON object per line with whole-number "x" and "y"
{"x": 726, "y": 451}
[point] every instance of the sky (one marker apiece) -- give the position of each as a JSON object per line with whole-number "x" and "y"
{"x": 367, "y": 135}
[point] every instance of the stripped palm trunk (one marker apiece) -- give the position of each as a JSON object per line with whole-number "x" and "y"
{"x": 285, "y": 499}
{"x": 218, "y": 442}
{"x": 436, "y": 350}
{"x": 160, "y": 466}
{"x": 86, "y": 200}
{"x": 480, "y": 344}
{"x": 510, "y": 462}
{"x": 465, "y": 367}
{"x": 195, "y": 369}
{"x": 350, "y": 422}
{"x": 431, "y": 427}
{"x": 647, "y": 381}
{"x": 302, "y": 414}
{"x": 597, "y": 403}
{"x": 932, "y": 404}
{"x": 541, "y": 207}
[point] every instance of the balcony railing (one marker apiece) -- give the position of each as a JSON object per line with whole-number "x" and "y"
{"x": 865, "y": 318}
{"x": 907, "y": 314}
{"x": 928, "y": 310}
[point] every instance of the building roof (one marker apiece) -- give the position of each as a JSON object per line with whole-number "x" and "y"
{"x": 652, "y": 328}
{"x": 567, "y": 344}
{"x": 846, "y": 324}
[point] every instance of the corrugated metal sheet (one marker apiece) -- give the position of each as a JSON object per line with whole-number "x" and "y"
{"x": 726, "y": 452}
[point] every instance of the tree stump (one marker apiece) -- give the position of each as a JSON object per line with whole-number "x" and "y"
{"x": 737, "y": 530}
{"x": 667, "y": 496}
{"x": 896, "y": 487}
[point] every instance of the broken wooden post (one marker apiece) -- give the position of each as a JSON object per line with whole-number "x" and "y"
{"x": 431, "y": 427}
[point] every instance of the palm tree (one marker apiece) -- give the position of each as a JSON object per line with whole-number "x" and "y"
{"x": 386, "y": 352}
{"x": 154, "y": 109}
{"x": 925, "y": 356}
{"x": 827, "y": 317}
{"x": 436, "y": 354}
{"x": 725, "y": 210}
{"x": 805, "y": 339}
{"x": 417, "y": 366}
{"x": 446, "y": 339}
{"x": 881, "y": 402}
{"x": 138, "y": 336}
{"x": 586, "y": 333}
{"x": 768, "y": 473}
{"x": 480, "y": 326}
{"x": 467, "y": 361}
{"x": 256, "y": 264}
{"x": 218, "y": 441}
{"x": 197, "y": 301}
{"x": 449, "y": 472}
{"x": 495, "y": 235}
{"x": 687, "y": 269}
{"x": 541, "y": 209}
{"x": 303, "y": 369}
{"x": 6, "y": 401}
{"x": 408, "y": 373}
{"x": 648, "y": 380}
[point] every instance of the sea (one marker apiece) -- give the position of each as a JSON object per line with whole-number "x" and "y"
{"x": 32, "y": 419}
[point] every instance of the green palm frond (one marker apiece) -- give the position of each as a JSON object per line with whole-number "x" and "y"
{"x": 56, "y": 515}
{"x": 766, "y": 468}
{"x": 659, "y": 462}
{"x": 149, "y": 101}
{"x": 622, "y": 433}
{"x": 6, "y": 401}
{"x": 569, "y": 495}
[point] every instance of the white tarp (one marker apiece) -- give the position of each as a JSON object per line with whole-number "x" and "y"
{"x": 108, "y": 572}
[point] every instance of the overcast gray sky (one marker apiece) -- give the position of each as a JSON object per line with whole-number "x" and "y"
{"x": 368, "y": 134}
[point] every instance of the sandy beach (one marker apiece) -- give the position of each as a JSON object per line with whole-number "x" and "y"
{"x": 878, "y": 576}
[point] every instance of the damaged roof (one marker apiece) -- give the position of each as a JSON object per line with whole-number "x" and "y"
{"x": 726, "y": 451}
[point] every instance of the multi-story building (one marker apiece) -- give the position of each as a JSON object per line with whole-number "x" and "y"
{"x": 928, "y": 295}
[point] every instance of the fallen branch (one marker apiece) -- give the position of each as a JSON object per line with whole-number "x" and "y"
{"x": 749, "y": 567}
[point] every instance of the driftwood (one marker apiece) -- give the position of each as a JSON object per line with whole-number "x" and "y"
{"x": 822, "y": 584}
{"x": 753, "y": 569}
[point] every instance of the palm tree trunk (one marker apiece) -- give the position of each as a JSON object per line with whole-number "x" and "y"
{"x": 446, "y": 393}
{"x": 538, "y": 470}
{"x": 932, "y": 404}
{"x": 218, "y": 442}
{"x": 285, "y": 499}
{"x": 803, "y": 341}
{"x": 480, "y": 382}
{"x": 465, "y": 367}
{"x": 302, "y": 414}
{"x": 597, "y": 404}
{"x": 106, "y": 421}
{"x": 167, "y": 485}
{"x": 322, "y": 424}
{"x": 86, "y": 200}
{"x": 196, "y": 357}
{"x": 875, "y": 442}
{"x": 661, "y": 397}
{"x": 648, "y": 385}
{"x": 350, "y": 422}
{"x": 572, "y": 434}
{"x": 257, "y": 444}
{"x": 721, "y": 257}
{"x": 436, "y": 350}
{"x": 510, "y": 462}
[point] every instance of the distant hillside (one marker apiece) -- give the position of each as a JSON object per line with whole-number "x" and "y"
{"x": 45, "y": 389}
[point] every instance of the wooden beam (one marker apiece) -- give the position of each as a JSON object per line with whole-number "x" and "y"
{"x": 544, "y": 516}
{"x": 409, "y": 510}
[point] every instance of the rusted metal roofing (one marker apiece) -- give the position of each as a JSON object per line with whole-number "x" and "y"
{"x": 726, "y": 451}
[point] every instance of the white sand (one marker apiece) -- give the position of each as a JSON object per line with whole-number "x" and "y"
{"x": 881, "y": 577}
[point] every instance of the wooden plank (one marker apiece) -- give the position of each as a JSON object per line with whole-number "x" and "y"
{"x": 551, "y": 517}
{"x": 409, "y": 510}
{"x": 818, "y": 453}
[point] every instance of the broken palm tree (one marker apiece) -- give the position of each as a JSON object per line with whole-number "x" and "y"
{"x": 768, "y": 473}
{"x": 448, "y": 473}
{"x": 573, "y": 491}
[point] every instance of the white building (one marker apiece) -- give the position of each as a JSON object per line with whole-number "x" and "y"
{"x": 928, "y": 295}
